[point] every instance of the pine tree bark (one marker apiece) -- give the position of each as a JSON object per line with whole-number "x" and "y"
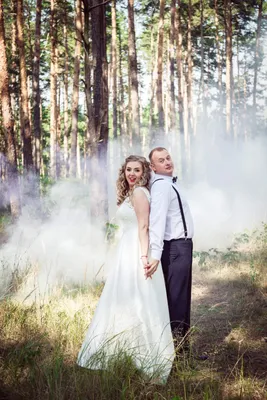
{"x": 36, "y": 87}
{"x": 66, "y": 103}
{"x": 58, "y": 139}
{"x": 14, "y": 68}
{"x": 91, "y": 135}
{"x": 202, "y": 55}
{"x": 189, "y": 70}
{"x": 75, "y": 92}
{"x": 151, "y": 107}
{"x": 219, "y": 58}
{"x": 24, "y": 106}
{"x": 166, "y": 94}
{"x": 179, "y": 61}
{"x": 114, "y": 68}
{"x": 256, "y": 62}
{"x": 122, "y": 112}
{"x": 172, "y": 68}
{"x": 103, "y": 137}
{"x": 133, "y": 76}
{"x": 100, "y": 96}
{"x": 97, "y": 49}
{"x": 160, "y": 66}
{"x": 8, "y": 123}
{"x": 245, "y": 96}
{"x": 53, "y": 90}
{"x": 229, "y": 67}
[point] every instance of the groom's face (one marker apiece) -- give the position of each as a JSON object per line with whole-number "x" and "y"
{"x": 161, "y": 163}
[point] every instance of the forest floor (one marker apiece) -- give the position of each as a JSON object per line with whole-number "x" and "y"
{"x": 40, "y": 339}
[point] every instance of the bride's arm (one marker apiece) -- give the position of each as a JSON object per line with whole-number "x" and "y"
{"x": 141, "y": 207}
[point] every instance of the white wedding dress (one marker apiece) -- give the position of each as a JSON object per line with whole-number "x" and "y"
{"x": 132, "y": 315}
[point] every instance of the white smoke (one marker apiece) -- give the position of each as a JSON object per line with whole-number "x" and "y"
{"x": 61, "y": 246}
{"x": 227, "y": 195}
{"x": 229, "y": 189}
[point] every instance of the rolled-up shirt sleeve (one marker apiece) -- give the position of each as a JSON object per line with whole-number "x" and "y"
{"x": 160, "y": 200}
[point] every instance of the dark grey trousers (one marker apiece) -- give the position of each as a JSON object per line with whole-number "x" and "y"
{"x": 177, "y": 269}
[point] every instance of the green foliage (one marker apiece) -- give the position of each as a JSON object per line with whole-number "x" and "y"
{"x": 5, "y": 220}
{"x": 254, "y": 273}
{"x": 110, "y": 231}
{"x": 214, "y": 256}
{"x": 250, "y": 248}
{"x": 46, "y": 183}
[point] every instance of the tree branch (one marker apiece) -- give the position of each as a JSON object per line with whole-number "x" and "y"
{"x": 98, "y": 5}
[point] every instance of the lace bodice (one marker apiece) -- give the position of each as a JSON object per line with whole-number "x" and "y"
{"x": 125, "y": 216}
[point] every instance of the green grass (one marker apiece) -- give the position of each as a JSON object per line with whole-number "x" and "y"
{"x": 40, "y": 340}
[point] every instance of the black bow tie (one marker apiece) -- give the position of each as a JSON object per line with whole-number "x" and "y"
{"x": 174, "y": 179}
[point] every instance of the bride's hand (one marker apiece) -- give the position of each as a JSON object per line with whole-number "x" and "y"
{"x": 144, "y": 260}
{"x": 145, "y": 264}
{"x": 151, "y": 268}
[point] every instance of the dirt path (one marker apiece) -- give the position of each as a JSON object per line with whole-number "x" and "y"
{"x": 229, "y": 315}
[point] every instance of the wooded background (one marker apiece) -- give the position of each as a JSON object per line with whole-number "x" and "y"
{"x": 75, "y": 75}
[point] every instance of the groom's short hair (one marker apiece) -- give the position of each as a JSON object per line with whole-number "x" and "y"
{"x": 153, "y": 151}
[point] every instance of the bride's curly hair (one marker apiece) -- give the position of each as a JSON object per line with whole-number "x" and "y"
{"x": 123, "y": 189}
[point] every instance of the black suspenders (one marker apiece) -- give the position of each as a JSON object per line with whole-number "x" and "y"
{"x": 180, "y": 205}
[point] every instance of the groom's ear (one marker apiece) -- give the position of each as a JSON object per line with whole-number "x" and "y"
{"x": 152, "y": 167}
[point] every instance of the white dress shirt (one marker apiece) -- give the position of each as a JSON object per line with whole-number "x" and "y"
{"x": 165, "y": 216}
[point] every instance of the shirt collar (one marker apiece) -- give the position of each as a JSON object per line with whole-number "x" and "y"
{"x": 159, "y": 176}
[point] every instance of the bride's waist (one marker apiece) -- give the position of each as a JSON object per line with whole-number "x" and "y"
{"x": 129, "y": 229}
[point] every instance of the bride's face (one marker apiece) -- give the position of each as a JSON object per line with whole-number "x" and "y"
{"x": 133, "y": 173}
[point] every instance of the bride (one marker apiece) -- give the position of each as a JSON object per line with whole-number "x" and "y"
{"x": 132, "y": 315}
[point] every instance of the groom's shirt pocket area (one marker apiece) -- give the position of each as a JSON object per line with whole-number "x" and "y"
{"x": 165, "y": 216}
{"x": 160, "y": 202}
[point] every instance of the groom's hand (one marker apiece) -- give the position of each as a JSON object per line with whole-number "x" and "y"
{"x": 151, "y": 268}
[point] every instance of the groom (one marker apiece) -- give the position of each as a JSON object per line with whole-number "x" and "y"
{"x": 171, "y": 231}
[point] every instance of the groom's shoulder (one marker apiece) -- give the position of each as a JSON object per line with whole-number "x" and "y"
{"x": 159, "y": 184}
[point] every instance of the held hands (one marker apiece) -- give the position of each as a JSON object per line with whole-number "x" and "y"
{"x": 151, "y": 267}
{"x": 144, "y": 260}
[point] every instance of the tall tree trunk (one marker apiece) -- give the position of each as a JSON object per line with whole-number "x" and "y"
{"x": 8, "y": 122}
{"x": 133, "y": 75}
{"x": 53, "y": 90}
{"x": 103, "y": 137}
{"x": 100, "y": 95}
{"x": 180, "y": 85}
{"x": 152, "y": 84}
{"x": 114, "y": 68}
{"x": 75, "y": 92}
{"x": 91, "y": 135}
{"x": 172, "y": 69}
{"x": 186, "y": 119}
{"x": 66, "y": 103}
{"x": 122, "y": 111}
{"x": 97, "y": 31}
{"x": 244, "y": 119}
{"x": 36, "y": 87}
{"x": 14, "y": 68}
{"x": 219, "y": 61}
{"x": 160, "y": 65}
{"x": 256, "y": 60}
{"x": 58, "y": 140}
{"x": 202, "y": 54}
{"x": 24, "y": 108}
{"x": 79, "y": 170}
{"x": 229, "y": 67}
{"x": 189, "y": 70}
{"x": 166, "y": 95}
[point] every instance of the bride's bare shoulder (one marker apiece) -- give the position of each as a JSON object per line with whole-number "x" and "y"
{"x": 143, "y": 189}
